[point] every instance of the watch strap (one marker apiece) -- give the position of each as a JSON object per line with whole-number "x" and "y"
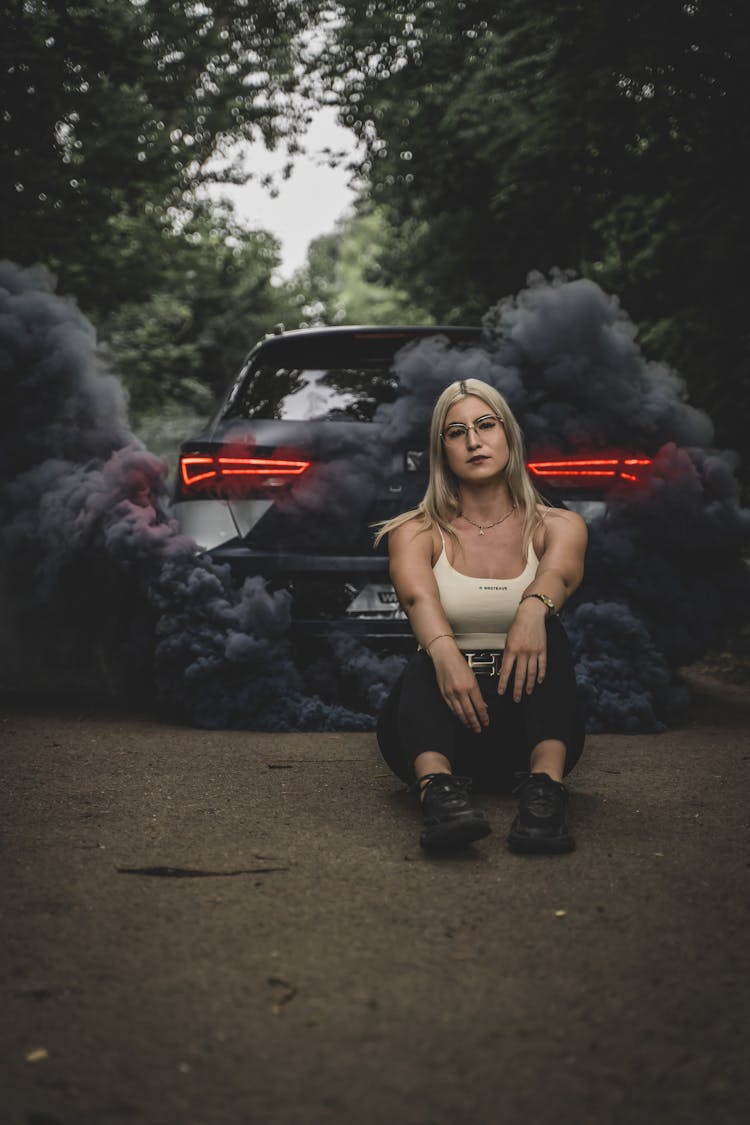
{"x": 544, "y": 599}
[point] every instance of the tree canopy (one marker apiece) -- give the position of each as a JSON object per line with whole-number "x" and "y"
{"x": 343, "y": 280}
{"x": 185, "y": 339}
{"x": 604, "y": 137}
{"x": 114, "y": 117}
{"x": 498, "y": 137}
{"x": 116, "y": 111}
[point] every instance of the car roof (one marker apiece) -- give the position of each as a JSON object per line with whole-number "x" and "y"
{"x": 354, "y": 338}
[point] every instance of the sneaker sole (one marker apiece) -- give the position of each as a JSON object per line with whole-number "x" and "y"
{"x": 454, "y": 834}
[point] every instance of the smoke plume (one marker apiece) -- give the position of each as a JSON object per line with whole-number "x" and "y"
{"x": 666, "y": 579}
{"x": 98, "y": 584}
{"x": 95, "y": 575}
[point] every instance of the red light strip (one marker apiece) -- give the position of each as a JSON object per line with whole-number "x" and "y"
{"x": 187, "y": 462}
{"x": 255, "y": 466}
{"x": 576, "y": 473}
{"x": 190, "y": 467}
{"x": 580, "y": 462}
{"x": 588, "y": 467}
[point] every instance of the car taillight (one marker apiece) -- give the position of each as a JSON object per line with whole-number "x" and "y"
{"x": 589, "y": 472}
{"x": 200, "y": 468}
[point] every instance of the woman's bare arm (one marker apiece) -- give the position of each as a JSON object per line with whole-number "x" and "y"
{"x": 560, "y": 570}
{"x": 410, "y": 548}
{"x": 559, "y": 575}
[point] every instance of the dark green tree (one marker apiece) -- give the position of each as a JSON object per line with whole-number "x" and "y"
{"x": 604, "y": 137}
{"x": 114, "y": 115}
{"x": 215, "y": 298}
{"x": 112, "y": 109}
{"x": 342, "y": 281}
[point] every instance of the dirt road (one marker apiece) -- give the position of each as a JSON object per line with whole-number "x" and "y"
{"x": 313, "y": 967}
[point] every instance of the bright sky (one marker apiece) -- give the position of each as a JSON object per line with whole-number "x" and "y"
{"x": 308, "y": 203}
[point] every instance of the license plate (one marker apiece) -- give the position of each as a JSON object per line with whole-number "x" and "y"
{"x": 376, "y": 600}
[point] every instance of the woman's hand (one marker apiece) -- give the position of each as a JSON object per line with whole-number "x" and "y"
{"x": 458, "y": 686}
{"x": 525, "y": 649}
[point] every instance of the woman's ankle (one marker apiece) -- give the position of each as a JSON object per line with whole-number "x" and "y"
{"x": 549, "y": 757}
{"x": 426, "y": 765}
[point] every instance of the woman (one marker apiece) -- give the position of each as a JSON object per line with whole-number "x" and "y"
{"x": 491, "y": 690}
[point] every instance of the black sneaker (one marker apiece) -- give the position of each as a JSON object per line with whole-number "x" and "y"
{"x": 450, "y": 820}
{"x": 540, "y": 824}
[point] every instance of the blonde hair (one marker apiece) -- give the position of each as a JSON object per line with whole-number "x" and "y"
{"x": 441, "y": 502}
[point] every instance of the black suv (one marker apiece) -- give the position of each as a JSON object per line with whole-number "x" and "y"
{"x": 309, "y": 449}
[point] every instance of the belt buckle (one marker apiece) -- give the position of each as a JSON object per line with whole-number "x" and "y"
{"x": 488, "y": 662}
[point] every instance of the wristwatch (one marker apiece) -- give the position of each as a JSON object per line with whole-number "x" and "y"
{"x": 542, "y": 598}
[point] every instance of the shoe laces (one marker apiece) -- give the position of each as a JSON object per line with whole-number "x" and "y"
{"x": 446, "y": 781}
{"x": 539, "y": 793}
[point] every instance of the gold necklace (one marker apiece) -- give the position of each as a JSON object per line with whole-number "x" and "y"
{"x": 486, "y": 526}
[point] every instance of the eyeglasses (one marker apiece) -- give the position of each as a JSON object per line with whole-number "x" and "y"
{"x": 482, "y": 427}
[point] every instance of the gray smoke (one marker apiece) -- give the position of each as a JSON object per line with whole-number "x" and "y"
{"x": 665, "y": 579}
{"x": 91, "y": 561}
{"x": 584, "y": 383}
{"x": 98, "y": 583}
{"x": 665, "y": 576}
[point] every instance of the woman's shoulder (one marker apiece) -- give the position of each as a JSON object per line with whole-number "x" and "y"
{"x": 416, "y": 534}
{"x": 409, "y": 531}
{"x": 557, "y": 522}
{"x": 561, "y": 516}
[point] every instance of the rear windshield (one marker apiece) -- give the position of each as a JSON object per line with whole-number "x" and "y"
{"x": 309, "y": 394}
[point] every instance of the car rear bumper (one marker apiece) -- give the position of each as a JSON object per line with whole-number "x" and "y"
{"x": 270, "y": 564}
{"x": 348, "y": 594}
{"x": 398, "y": 633}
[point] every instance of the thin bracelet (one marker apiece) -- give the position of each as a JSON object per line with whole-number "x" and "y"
{"x": 437, "y": 638}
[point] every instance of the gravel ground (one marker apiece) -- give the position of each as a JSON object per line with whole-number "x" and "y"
{"x": 227, "y": 927}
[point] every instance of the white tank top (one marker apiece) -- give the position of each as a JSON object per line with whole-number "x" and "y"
{"x": 480, "y": 610}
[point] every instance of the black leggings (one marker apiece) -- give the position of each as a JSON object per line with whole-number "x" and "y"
{"x": 416, "y": 718}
